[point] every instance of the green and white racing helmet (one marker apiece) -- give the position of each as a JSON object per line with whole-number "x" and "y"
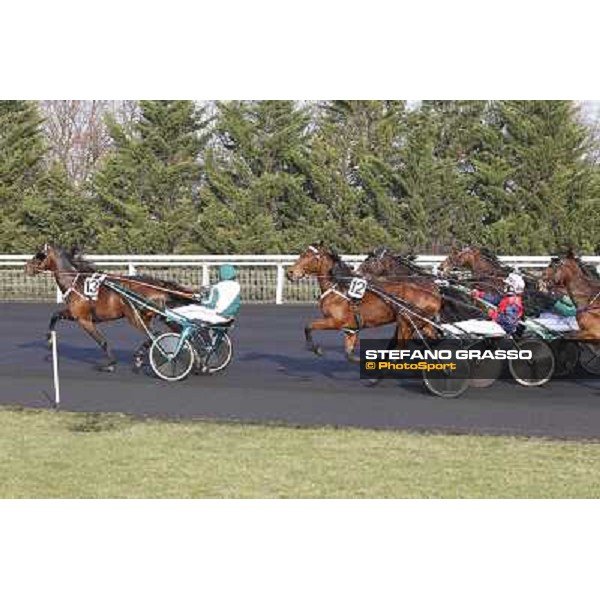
{"x": 227, "y": 272}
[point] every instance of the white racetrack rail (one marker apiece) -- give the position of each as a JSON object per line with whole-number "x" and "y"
{"x": 264, "y": 274}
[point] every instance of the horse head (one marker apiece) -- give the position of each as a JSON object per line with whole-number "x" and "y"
{"x": 315, "y": 260}
{"x": 559, "y": 273}
{"x": 457, "y": 259}
{"x": 45, "y": 259}
{"x": 377, "y": 263}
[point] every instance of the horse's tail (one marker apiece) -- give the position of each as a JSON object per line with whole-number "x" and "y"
{"x": 536, "y": 302}
{"x": 458, "y": 306}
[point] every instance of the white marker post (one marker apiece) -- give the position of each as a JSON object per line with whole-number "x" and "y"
{"x": 55, "y": 369}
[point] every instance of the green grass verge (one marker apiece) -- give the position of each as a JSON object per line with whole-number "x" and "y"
{"x": 67, "y": 455}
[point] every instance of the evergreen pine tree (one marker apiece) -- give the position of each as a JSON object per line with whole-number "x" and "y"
{"x": 355, "y": 161}
{"x": 255, "y": 196}
{"x": 146, "y": 187}
{"x": 547, "y": 180}
{"x": 56, "y": 211}
{"x": 21, "y": 152}
{"x": 460, "y": 138}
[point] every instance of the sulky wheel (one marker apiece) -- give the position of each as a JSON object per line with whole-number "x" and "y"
{"x": 566, "y": 355}
{"x": 484, "y": 371}
{"x": 170, "y": 359}
{"x": 211, "y": 358}
{"x": 589, "y": 357}
{"x": 449, "y": 383}
{"x": 534, "y": 371}
{"x": 219, "y": 357}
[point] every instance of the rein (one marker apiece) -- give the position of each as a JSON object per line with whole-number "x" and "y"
{"x": 78, "y": 274}
{"x": 590, "y": 307}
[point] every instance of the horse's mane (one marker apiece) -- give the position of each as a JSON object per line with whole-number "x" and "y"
{"x": 75, "y": 257}
{"x": 491, "y": 256}
{"x": 588, "y": 269}
{"x": 406, "y": 260}
{"x": 340, "y": 272}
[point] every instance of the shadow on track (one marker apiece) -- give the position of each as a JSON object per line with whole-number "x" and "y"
{"x": 303, "y": 368}
{"x": 74, "y": 353}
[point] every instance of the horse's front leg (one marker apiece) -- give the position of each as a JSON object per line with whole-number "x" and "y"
{"x": 350, "y": 339}
{"x": 57, "y": 316}
{"x": 404, "y": 332}
{"x": 319, "y": 324}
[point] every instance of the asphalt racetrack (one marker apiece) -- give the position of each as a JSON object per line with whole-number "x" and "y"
{"x": 273, "y": 379}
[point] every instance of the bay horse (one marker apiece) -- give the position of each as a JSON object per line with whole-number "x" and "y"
{"x": 583, "y": 287}
{"x": 70, "y": 272}
{"x": 342, "y": 313}
{"x": 383, "y": 264}
{"x": 489, "y": 274}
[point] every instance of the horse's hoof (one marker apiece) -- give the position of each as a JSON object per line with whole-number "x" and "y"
{"x": 106, "y": 368}
{"x": 314, "y": 349}
{"x": 352, "y": 358}
{"x": 373, "y": 382}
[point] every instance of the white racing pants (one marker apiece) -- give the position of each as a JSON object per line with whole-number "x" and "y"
{"x": 201, "y": 313}
{"x": 557, "y": 322}
{"x": 476, "y": 327}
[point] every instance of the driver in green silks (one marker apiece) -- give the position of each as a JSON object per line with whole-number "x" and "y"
{"x": 565, "y": 307}
{"x": 561, "y": 317}
{"x": 223, "y": 302}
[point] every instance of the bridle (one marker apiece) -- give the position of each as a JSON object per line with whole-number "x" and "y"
{"x": 382, "y": 252}
{"x": 560, "y": 262}
{"x": 40, "y": 257}
{"x": 317, "y": 253}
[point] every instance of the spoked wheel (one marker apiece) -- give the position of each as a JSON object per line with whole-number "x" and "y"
{"x": 484, "y": 371}
{"x": 589, "y": 357}
{"x": 219, "y": 357}
{"x": 566, "y": 356}
{"x": 538, "y": 369}
{"x": 449, "y": 383}
{"x": 168, "y": 363}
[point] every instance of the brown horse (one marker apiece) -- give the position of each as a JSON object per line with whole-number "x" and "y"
{"x": 584, "y": 290}
{"x": 482, "y": 263}
{"x": 70, "y": 272}
{"x": 342, "y": 313}
{"x": 384, "y": 265}
{"x": 489, "y": 274}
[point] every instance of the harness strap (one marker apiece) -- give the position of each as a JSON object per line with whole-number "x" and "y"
{"x": 356, "y": 307}
{"x": 357, "y": 317}
{"x": 73, "y": 288}
{"x": 333, "y": 289}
